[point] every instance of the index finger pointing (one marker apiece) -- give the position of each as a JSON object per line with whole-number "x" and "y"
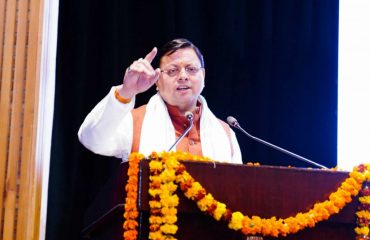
{"x": 150, "y": 56}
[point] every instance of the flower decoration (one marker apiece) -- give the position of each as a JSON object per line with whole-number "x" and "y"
{"x": 131, "y": 213}
{"x": 363, "y": 211}
{"x": 167, "y": 173}
{"x": 163, "y": 202}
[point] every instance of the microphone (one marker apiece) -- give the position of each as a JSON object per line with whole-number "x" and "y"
{"x": 189, "y": 116}
{"x": 234, "y": 123}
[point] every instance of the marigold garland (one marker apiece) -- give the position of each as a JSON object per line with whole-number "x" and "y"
{"x": 363, "y": 214}
{"x": 166, "y": 171}
{"x": 163, "y": 202}
{"x": 131, "y": 213}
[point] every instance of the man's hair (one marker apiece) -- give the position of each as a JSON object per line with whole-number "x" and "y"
{"x": 176, "y": 44}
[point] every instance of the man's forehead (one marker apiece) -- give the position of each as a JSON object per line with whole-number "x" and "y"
{"x": 185, "y": 55}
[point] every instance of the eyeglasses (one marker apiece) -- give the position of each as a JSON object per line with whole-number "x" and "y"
{"x": 190, "y": 70}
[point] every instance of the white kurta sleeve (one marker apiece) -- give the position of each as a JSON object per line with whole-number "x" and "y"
{"x": 108, "y": 128}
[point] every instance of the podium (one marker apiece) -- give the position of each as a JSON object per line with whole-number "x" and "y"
{"x": 263, "y": 191}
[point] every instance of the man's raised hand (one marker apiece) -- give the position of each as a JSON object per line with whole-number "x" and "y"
{"x": 140, "y": 76}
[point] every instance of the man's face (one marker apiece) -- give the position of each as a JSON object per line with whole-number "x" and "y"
{"x": 182, "y": 79}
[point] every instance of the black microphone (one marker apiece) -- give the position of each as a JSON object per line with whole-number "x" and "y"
{"x": 234, "y": 123}
{"x": 189, "y": 116}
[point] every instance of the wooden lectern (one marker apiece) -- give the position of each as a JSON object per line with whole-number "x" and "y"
{"x": 253, "y": 190}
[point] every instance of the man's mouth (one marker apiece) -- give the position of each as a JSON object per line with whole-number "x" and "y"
{"x": 182, "y": 88}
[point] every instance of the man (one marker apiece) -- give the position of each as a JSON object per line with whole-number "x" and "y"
{"x": 115, "y": 128}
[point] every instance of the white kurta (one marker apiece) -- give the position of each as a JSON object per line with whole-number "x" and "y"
{"x": 108, "y": 130}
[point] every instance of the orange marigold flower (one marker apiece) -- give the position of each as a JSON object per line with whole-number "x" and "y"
{"x": 130, "y": 235}
{"x": 154, "y": 227}
{"x": 185, "y": 185}
{"x": 180, "y": 169}
{"x": 155, "y": 211}
{"x": 130, "y": 224}
{"x": 200, "y": 194}
{"x": 227, "y": 215}
{"x": 131, "y": 214}
{"x": 211, "y": 208}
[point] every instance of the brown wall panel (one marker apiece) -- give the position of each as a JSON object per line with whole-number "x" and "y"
{"x": 20, "y": 173}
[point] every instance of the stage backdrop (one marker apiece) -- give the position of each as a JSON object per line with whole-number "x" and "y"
{"x": 271, "y": 64}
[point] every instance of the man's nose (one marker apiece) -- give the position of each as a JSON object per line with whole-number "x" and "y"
{"x": 183, "y": 74}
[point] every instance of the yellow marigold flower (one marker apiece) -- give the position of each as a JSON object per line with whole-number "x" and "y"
{"x": 346, "y": 196}
{"x": 155, "y": 204}
{"x": 312, "y": 217}
{"x": 307, "y": 220}
{"x": 337, "y": 200}
{"x": 169, "y": 211}
{"x": 284, "y": 230}
{"x": 155, "y": 220}
{"x": 279, "y": 228}
{"x": 193, "y": 190}
{"x": 346, "y": 187}
{"x": 169, "y": 219}
{"x": 154, "y": 192}
{"x": 155, "y": 178}
{"x": 364, "y": 199}
{"x": 219, "y": 211}
{"x": 362, "y": 230}
{"x": 171, "y": 162}
{"x": 363, "y": 214}
{"x": 156, "y": 235}
{"x": 155, "y": 165}
{"x": 321, "y": 210}
{"x": 352, "y": 181}
{"x": 169, "y": 228}
{"x": 236, "y": 221}
{"x": 292, "y": 224}
{"x": 168, "y": 175}
{"x": 360, "y": 178}
{"x": 367, "y": 175}
{"x": 168, "y": 187}
{"x": 205, "y": 202}
{"x": 170, "y": 201}
{"x": 190, "y": 157}
{"x": 350, "y": 187}
{"x": 330, "y": 206}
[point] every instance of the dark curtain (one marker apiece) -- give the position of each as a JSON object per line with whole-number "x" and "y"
{"x": 271, "y": 64}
